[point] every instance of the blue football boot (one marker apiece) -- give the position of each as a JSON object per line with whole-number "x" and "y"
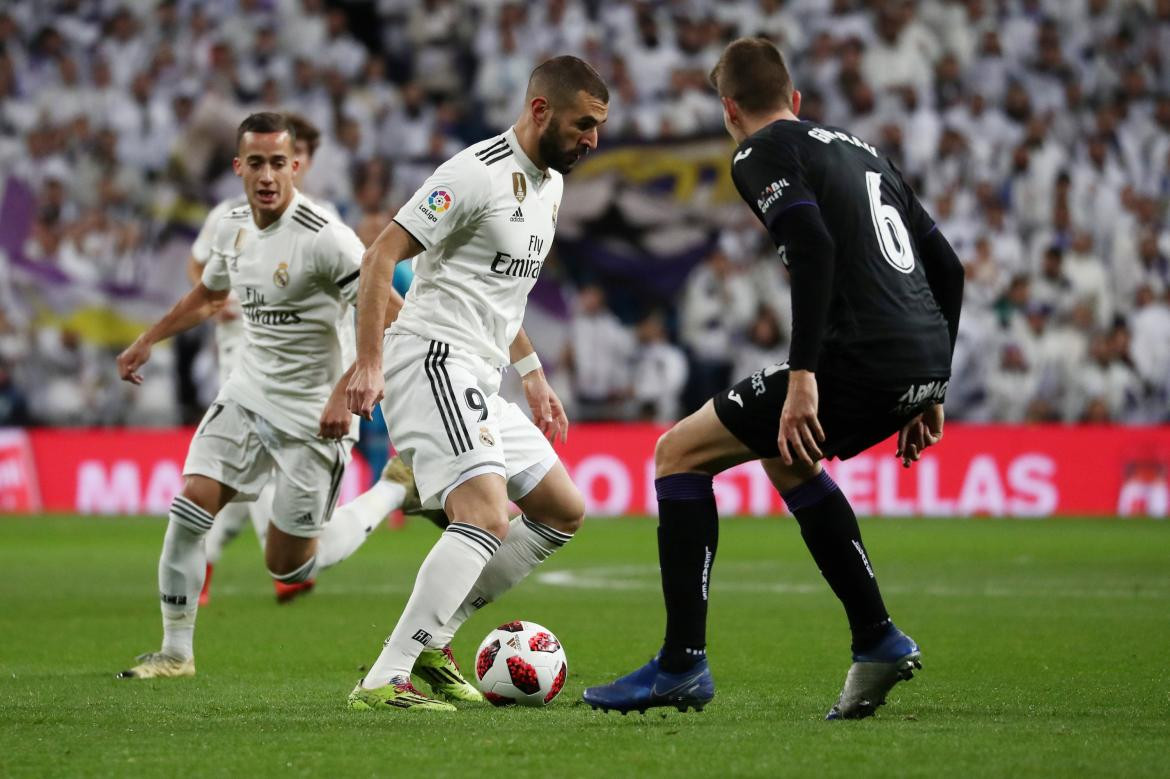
{"x": 874, "y": 673}
{"x": 650, "y": 687}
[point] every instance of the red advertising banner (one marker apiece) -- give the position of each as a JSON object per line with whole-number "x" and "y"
{"x": 976, "y": 471}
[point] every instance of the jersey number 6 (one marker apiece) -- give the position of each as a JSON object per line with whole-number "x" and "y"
{"x": 893, "y": 238}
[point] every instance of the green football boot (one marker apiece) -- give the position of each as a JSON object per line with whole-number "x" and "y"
{"x": 437, "y": 667}
{"x": 398, "y": 694}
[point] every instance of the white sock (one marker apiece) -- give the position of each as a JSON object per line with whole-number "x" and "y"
{"x": 180, "y": 575}
{"x": 528, "y": 544}
{"x": 446, "y": 576}
{"x": 228, "y": 523}
{"x": 260, "y": 511}
{"x": 350, "y": 524}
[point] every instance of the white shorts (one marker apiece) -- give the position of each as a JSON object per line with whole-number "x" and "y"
{"x": 236, "y": 447}
{"x": 449, "y": 423}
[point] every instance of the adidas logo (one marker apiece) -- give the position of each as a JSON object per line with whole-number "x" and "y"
{"x": 518, "y": 216}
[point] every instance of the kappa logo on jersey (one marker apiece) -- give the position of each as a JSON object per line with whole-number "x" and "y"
{"x": 437, "y": 203}
{"x": 517, "y": 216}
{"x": 519, "y": 187}
{"x": 280, "y": 277}
{"x": 771, "y": 194}
{"x": 742, "y": 155}
{"x": 734, "y": 397}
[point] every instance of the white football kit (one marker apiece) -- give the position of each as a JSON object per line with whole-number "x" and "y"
{"x": 294, "y": 280}
{"x": 229, "y": 333}
{"x": 486, "y": 220}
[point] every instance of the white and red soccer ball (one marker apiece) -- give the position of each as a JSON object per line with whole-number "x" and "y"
{"x": 521, "y": 662}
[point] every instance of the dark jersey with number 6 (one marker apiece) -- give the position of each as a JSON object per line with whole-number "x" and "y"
{"x": 883, "y": 321}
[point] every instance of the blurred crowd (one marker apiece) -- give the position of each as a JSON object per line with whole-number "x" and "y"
{"x": 1037, "y": 132}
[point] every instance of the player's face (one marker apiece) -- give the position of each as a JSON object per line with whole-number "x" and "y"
{"x": 572, "y": 132}
{"x": 268, "y": 167}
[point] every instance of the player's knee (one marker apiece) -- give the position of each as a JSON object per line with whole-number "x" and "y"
{"x": 670, "y": 454}
{"x": 570, "y": 514}
{"x": 489, "y": 518}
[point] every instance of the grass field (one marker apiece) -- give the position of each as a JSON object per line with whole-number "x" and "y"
{"x": 1045, "y": 648}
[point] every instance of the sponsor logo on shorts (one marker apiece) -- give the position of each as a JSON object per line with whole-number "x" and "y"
{"x": 305, "y": 520}
{"x": 734, "y": 397}
{"x": 918, "y": 396}
{"x": 485, "y": 437}
{"x": 758, "y": 383}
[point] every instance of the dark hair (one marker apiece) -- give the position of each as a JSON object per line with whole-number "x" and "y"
{"x": 753, "y": 73}
{"x": 560, "y": 79}
{"x": 304, "y": 130}
{"x": 266, "y": 122}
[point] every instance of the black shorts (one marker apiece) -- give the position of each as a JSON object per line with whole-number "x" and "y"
{"x": 854, "y": 413}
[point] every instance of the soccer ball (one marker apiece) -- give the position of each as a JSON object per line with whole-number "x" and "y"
{"x": 520, "y": 662}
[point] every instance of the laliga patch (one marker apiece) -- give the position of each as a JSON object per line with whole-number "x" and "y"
{"x": 436, "y": 204}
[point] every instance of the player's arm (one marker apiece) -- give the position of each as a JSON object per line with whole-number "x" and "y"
{"x": 945, "y": 276}
{"x": 192, "y": 309}
{"x": 377, "y": 305}
{"x": 547, "y": 411}
{"x": 771, "y": 178}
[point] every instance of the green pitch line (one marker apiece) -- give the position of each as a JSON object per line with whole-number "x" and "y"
{"x": 1044, "y": 646}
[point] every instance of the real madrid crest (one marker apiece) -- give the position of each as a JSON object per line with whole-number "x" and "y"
{"x": 554, "y": 215}
{"x": 280, "y": 277}
{"x": 485, "y": 437}
{"x": 519, "y": 186}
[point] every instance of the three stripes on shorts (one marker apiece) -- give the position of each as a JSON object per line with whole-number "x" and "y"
{"x": 445, "y": 400}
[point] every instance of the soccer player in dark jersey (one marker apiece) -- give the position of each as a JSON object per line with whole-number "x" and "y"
{"x": 876, "y": 293}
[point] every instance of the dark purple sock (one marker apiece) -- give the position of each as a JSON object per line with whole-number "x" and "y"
{"x": 830, "y": 532}
{"x": 688, "y": 533}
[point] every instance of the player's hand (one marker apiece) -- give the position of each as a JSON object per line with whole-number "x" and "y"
{"x": 133, "y": 358}
{"x": 800, "y": 430}
{"x": 366, "y": 390}
{"x": 335, "y": 417}
{"x": 922, "y": 431}
{"x": 547, "y": 411}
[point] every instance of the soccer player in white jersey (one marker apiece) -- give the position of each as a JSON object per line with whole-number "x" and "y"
{"x": 229, "y": 340}
{"x": 295, "y": 270}
{"x": 484, "y": 224}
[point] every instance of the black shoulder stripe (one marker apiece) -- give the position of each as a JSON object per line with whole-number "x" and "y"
{"x": 347, "y": 279}
{"x": 234, "y": 215}
{"x": 497, "y": 158}
{"x": 316, "y": 228}
{"x": 312, "y": 216}
{"x": 487, "y": 151}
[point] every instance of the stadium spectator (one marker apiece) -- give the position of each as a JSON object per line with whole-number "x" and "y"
{"x": 1037, "y": 130}
{"x": 659, "y": 373}
{"x": 597, "y": 357}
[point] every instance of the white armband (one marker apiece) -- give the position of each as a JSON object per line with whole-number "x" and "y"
{"x": 527, "y": 364}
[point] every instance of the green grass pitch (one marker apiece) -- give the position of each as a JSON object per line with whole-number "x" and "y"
{"x": 1045, "y": 647}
